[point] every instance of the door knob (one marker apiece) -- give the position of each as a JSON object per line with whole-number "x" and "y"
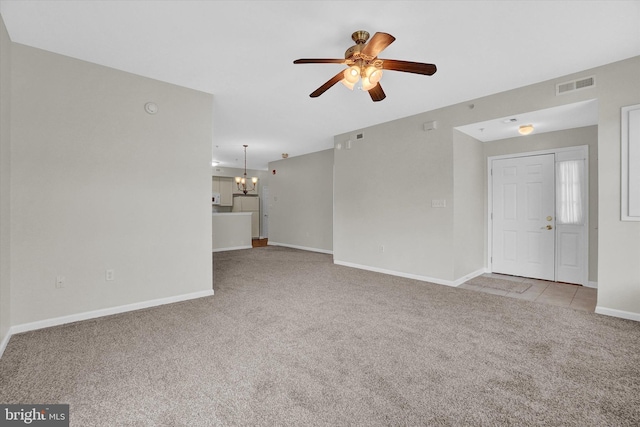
{"x": 548, "y": 227}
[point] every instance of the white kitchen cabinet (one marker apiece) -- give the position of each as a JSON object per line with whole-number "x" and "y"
{"x": 224, "y": 186}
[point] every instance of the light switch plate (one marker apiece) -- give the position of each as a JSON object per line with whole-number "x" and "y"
{"x": 438, "y": 203}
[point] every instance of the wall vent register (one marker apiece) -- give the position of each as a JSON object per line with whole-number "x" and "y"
{"x": 573, "y": 85}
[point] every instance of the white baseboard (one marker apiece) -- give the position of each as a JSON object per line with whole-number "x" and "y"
{"x": 469, "y": 276}
{"x": 618, "y": 313}
{"x": 234, "y": 248}
{"x": 592, "y": 285}
{"x": 402, "y": 274}
{"x": 57, "y": 321}
{"x": 303, "y": 248}
{"x": 5, "y": 341}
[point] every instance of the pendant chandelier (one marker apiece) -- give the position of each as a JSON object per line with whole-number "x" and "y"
{"x": 241, "y": 182}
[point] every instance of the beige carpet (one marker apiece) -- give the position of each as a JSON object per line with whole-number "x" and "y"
{"x": 290, "y": 339}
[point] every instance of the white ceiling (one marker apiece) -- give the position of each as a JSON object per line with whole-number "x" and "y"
{"x": 242, "y": 53}
{"x": 566, "y": 116}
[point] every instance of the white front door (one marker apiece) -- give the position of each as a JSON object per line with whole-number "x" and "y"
{"x": 523, "y": 214}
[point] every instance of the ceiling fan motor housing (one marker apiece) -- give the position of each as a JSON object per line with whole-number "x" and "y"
{"x": 360, "y": 37}
{"x": 349, "y": 53}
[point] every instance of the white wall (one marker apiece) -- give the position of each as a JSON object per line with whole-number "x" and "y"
{"x": 5, "y": 183}
{"x": 97, "y": 183}
{"x": 231, "y": 231}
{"x": 384, "y": 186}
{"x": 301, "y": 202}
{"x": 405, "y": 167}
{"x": 469, "y": 212}
{"x": 619, "y": 242}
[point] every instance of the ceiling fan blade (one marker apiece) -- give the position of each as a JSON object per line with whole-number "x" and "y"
{"x": 377, "y": 44}
{"x": 319, "y": 61}
{"x": 409, "y": 67}
{"x": 322, "y": 89}
{"x": 377, "y": 94}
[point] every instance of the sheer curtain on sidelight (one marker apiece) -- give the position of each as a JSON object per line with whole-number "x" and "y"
{"x": 569, "y": 192}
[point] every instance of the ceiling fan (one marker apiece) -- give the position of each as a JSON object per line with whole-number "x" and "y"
{"x": 364, "y": 64}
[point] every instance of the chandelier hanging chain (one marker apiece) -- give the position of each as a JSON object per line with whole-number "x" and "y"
{"x": 245, "y": 161}
{"x": 242, "y": 182}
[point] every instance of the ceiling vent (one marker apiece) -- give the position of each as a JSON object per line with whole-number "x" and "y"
{"x": 573, "y": 85}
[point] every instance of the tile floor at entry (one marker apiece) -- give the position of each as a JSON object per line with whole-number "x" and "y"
{"x": 562, "y": 294}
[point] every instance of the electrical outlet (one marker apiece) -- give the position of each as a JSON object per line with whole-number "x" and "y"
{"x": 109, "y": 274}
{"x": 438, "y": 203}
{"x": 59, "y": 282}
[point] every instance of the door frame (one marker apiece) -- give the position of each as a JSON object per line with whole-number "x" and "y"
{"x": 585, "y": 150}
{"x": 264, "y": 212}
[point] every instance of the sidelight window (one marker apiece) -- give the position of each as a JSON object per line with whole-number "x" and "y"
{"x": 569, "y": 192}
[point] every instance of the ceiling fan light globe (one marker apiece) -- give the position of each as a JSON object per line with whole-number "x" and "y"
{"x": 352, "y": 74}
{"x": 374, "y": 74}
{"x": 368, "y": 84}
{"x": 348, "y": 84}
